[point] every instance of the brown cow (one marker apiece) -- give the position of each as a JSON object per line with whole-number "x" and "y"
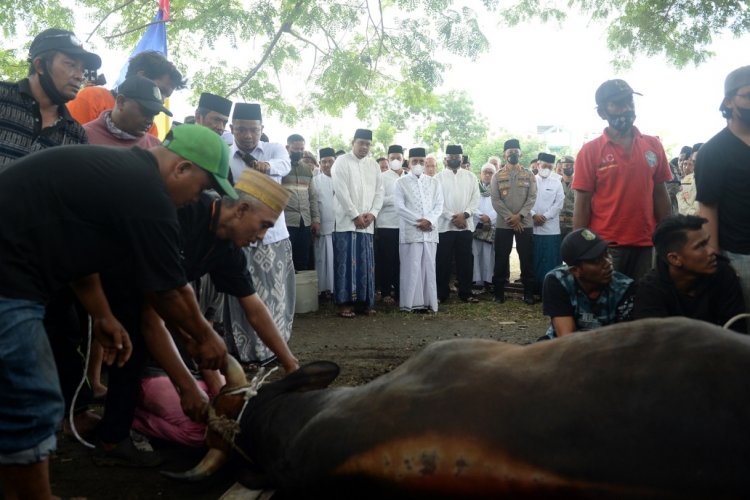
{"x": 656, "y": 408}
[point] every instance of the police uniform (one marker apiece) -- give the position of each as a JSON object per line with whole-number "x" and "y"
{"x": 513, "y": 191}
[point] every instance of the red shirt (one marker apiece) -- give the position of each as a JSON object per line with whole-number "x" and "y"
{"x": 622, "y": 186}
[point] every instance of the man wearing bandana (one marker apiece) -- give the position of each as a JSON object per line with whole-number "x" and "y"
{"x": 722, "y": 181}
{"x": 620, "y": 182}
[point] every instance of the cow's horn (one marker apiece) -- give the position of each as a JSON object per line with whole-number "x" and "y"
{"x": 235, "y": 374}
{"x": 212, "y": 462}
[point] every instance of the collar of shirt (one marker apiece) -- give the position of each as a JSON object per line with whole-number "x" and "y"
{"x": 24, "y": 87}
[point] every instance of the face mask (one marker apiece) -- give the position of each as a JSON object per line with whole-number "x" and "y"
{"x": 454, "y": 164}
{"x": 395, "y": 165}
{"x": 417, "y": 169}
{"x": 568, "y": 171}
{"x": 622, "y": 122}
{"x": 544, "y": 173}
{"x": 49, "y": 86}
{"x": 743, "y": 115}
{"x": 295, "y": 156}
{"x": 513, "y": 159}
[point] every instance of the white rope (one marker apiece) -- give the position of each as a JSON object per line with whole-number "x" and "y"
{"x": 734, "y": 319}
{"x": 78, "y": 390}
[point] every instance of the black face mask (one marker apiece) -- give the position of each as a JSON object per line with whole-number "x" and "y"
{"x": 513, "y": 159}
{"x": 568, "y": 171}
{"x": 454, "y": 164}
{"x": 295, "y": 156}
{"x": 45, "y": 80}
{"x": 743, "y": 114}
{"x": 621, "y": 122}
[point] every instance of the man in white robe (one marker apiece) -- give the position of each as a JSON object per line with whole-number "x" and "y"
{"x": 386, "y": 240}
{"x": 358, "y": 197}
{"x": 419, "y": 198}
{"x": 550, "y": 197}
{"x": 456, "y": 225}
{"x": 483, "y": 245}
{"x": 323, "y": 243}
{"x": 269, "y": 262}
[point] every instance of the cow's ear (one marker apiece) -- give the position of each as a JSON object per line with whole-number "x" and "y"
{"x": 316, "y": 375}
{"x": 311, "y": 377}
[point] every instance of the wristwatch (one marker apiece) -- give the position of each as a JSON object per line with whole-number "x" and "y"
{"x": 467, "y": 215}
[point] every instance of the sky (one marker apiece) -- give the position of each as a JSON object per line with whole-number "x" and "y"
{"x": 546, "y": 74}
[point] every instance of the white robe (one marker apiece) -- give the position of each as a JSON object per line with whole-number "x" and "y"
{"x": 358, "y": 189}
{"x": 418, "y": 198}
{"x": 484, "y": 251}
{"x": 323, "y": 244}
{"x": 550, "y": 197}
{"x": 461, "y": 194}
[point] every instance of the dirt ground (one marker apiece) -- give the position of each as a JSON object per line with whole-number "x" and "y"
{"x": 364, "y": 347}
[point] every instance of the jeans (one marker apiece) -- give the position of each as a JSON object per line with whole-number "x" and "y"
{"x": 31, "y": 402}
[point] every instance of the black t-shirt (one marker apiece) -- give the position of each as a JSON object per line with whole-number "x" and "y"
{"x": 717, "y": 298}
{"x": 203, "y": 253}
{"x": 722, "y": 178}
{"x": 73, "y": 211}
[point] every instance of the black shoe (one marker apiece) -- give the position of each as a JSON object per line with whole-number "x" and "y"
{"x": 529, "y": 299}
{"x": 500, "y": 299}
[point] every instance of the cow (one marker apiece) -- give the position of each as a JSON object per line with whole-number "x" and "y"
{"x": 657, "y": 408}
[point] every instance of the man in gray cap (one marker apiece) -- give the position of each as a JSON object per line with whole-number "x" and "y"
{"x": 33, "y": 114}
{"x": 620, "y": 182}
{"x": 722, "y": 181}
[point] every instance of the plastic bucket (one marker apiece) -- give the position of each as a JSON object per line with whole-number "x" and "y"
{"x": 306, "y": 284}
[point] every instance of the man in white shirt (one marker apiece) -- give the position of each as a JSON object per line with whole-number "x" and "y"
{"x": 358, "y": 198}
{"x": 456, "y": 225}
{"x": 483, "y": 244}
{"x": 550, "y": 197}
{"x": 387, "y": 225}
{"x": 323, "y": 243}
{"x": 419, "y": 200}
{"x": 269, "y": 262}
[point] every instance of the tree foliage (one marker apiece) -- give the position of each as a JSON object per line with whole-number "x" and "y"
{"x": 451, "y": 119}
{"x": 681, "y": 30}
{"x": 294, "y": 56}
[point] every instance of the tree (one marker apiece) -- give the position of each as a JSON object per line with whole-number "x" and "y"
{"x": 327, "y": 138}
{"x": 530, "y": 148}
{"x": 452, "y": 120}
{"x": 332, "y": 54}
{"x": 681, "y": 30}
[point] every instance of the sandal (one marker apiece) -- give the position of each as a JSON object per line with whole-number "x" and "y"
{"x": 346, "y": 314}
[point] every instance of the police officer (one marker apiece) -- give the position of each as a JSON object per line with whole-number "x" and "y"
{"x": 513, "y": 192}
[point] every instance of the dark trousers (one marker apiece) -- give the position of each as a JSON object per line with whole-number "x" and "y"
{"x": 301, "y": 239}
{"x": 386, "y": 261}
{"x": 633, "y": 262}
{"x": 525, "y": 249}
{"x": 454, "y": 245}
{"x": 123, "y": 384}
{"x": 66, "y": 322}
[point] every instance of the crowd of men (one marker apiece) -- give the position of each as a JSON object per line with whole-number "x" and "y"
{"x": 160, "y": 244}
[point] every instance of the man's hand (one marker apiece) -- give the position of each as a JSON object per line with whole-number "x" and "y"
{"x": 359, "y": 222}
{"x": 424, "y": 225}
{"x": 459, "y": 221}
{"x": 513, "y": 220}
{"x": 539, "y": 220}
{"x": 194, "y": 403}
{"x": 113, "y": 338}
{"x": 212, "y": 353}
{"x": 262, "y": 166}
{"x": 291, "y": 365}
{"x": 518, "y": 228}
{"x": 368, "y": 219}
{"x": 315, "y": 229}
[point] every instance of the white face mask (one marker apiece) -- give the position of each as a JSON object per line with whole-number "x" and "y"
{"x": 544, "y": 173}
{"x": 417, "y": 169}
{"x": 396, "y": 164}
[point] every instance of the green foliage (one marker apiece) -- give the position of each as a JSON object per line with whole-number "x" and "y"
{"x": 680, "y": 30}
{"x": 530, "y": 148}
{"x": 326, "y": 138}
{"x": 452, "y": 120}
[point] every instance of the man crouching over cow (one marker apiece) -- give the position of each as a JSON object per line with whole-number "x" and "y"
{"x": 585, "y": 292}
{"x": 214, "y": 230}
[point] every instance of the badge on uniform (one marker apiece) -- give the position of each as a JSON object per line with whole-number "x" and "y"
{"x": 651, "y": 158}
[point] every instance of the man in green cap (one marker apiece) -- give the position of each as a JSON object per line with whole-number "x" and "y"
{"x": 113, "y": 207}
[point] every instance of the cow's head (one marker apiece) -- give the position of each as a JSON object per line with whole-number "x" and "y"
{"x": 227, "y": 407}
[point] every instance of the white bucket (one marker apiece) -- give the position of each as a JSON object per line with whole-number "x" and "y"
{"x": 306, "y": 283}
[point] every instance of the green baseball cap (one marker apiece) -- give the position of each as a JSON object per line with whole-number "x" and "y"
{"x": 205, "y": 148}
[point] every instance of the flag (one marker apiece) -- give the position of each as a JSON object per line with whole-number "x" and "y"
{"x": 154, "y": 39}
